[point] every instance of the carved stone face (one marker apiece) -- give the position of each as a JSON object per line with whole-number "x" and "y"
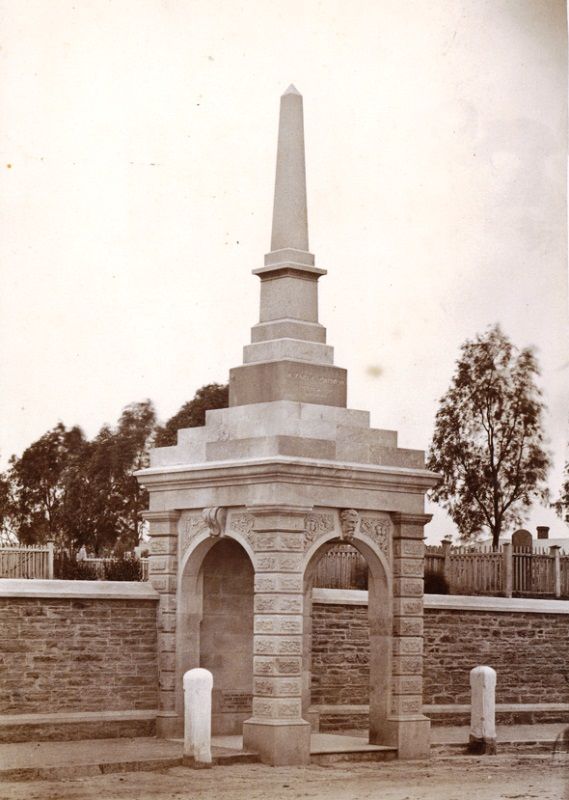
{"x": 349, "y": 519}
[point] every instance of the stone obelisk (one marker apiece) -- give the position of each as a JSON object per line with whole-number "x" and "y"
{"x": 290, "y": 216}
{"x": 288, "y": 358}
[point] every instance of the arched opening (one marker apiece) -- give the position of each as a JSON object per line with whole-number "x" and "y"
{"x": 216, "y": 628}
{"x": 347, "y": 639}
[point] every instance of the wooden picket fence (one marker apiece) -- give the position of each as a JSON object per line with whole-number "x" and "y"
{"x": 537, "y": 572}
{"x": 98, "y": 565}
{"x": 26, "y": 561}
{"x": 341, "y": 567}
{"x": 523, "y": 572}
{"x": 37, "y": 561}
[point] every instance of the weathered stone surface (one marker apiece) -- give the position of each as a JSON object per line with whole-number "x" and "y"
{"x": 276, "y": 582}
{"x": 528, "y": 651}
{"x": 277, "y": 623}
{"x": 269, "y": 665}
{"x": 278, "y": 604}
{"x": 288, "y": 380}
{"x": 198, "y": 684}
{"x": 483, "y": 709}
{"x": 77, "y": 655}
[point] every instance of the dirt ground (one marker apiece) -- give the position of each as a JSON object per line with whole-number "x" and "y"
{"x": 494, "y": 778}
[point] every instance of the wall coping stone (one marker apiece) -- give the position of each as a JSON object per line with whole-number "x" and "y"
{"x": 347, "y": 710}
{"x": 449, "y": 602}
{"x": 530, "y": 605}
{"x": 82, "y": 590}
{"x": 77, "y": 717}
{"x": 340, "y": 597}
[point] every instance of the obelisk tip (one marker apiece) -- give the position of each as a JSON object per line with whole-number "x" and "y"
{"x": 292, "y": 90}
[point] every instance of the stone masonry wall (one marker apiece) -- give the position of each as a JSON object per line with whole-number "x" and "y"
{"x": 340, "y": 655}
{"x": 529, "y": 651}
{"x": 77, "y": 655}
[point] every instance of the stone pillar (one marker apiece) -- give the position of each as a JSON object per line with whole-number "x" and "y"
{"x": 406, "y": 727}
{"x": 198, "y": 684}
{"x": 162, "y": 574}
{"x": 483, "y": 711}
{"x": 277, "y": 730}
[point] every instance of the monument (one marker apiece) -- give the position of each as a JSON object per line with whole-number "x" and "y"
{"x": 242, "y": 509}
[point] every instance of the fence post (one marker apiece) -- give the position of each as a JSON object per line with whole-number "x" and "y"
{"x": 50, "y": 548}
{"x": 508, "y": 579}
{"x": 446, "y": 544}
{"x": 555, "y": 551}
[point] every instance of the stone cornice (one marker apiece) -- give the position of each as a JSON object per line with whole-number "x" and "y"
{"x": 289, "y": 470}
{"x": 276, "y": 508}
{"x": 400, "y": 518}
{"x": 161, "y": 516}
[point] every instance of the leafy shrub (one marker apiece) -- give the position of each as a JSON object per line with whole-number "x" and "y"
{"x": 67, "y": 568}
{"x": 123, "y": 569}
{"x": 435, "y": 583}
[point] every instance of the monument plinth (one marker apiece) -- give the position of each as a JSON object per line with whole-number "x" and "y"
{"x": 242, "y": 509}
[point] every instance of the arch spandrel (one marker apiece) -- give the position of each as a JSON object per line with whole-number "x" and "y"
{"x": 372, "y": 531}
{"x": 195, "y": 528}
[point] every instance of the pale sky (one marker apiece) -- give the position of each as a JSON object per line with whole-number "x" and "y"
{"x": 138, "y": 151}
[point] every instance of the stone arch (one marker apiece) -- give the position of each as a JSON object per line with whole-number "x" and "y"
{"x": 380, "y": 614}
{"x": 190, "y": 601}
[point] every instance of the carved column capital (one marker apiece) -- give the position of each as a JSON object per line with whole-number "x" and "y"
{"x": 164, "y": 522}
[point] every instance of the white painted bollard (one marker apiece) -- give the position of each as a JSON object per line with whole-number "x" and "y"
{"x": 198, "y": 684}
{"x": 483, "y": 711}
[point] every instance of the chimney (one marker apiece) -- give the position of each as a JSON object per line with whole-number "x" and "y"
{"x": 543, "y": 532}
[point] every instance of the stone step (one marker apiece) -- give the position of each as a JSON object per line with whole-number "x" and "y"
{"x": 326, "y": 748}
{"x": 378, "y": 754}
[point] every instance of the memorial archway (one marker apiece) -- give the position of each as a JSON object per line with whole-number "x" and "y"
{"x": 380, "y": 617}
{"x": 215, "y": 629}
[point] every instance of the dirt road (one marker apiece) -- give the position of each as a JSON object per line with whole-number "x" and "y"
{"x": 497, "y": 778}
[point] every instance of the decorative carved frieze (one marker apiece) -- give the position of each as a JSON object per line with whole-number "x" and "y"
{"x": 378, "y": 529}
{"x": 243, "y": 523}
{"x": 191, "y": 524}
{"x": 316, "y": 525}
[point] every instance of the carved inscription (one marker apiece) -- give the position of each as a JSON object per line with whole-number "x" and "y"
{"x": 379, "y": 530}
{"x": 236, "y": 701}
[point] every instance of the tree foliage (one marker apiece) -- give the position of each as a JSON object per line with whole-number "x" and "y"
{"x": 488, "y": 442}
{"x": 192, "y": 414}
{"x": 73, "y": 491}
{"x": 38, "y": 480}
{"x": 104, "y": 498}
{"x": 561, "y": 505}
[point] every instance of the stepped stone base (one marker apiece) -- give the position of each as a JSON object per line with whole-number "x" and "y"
{"x": 287, "y": 428}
